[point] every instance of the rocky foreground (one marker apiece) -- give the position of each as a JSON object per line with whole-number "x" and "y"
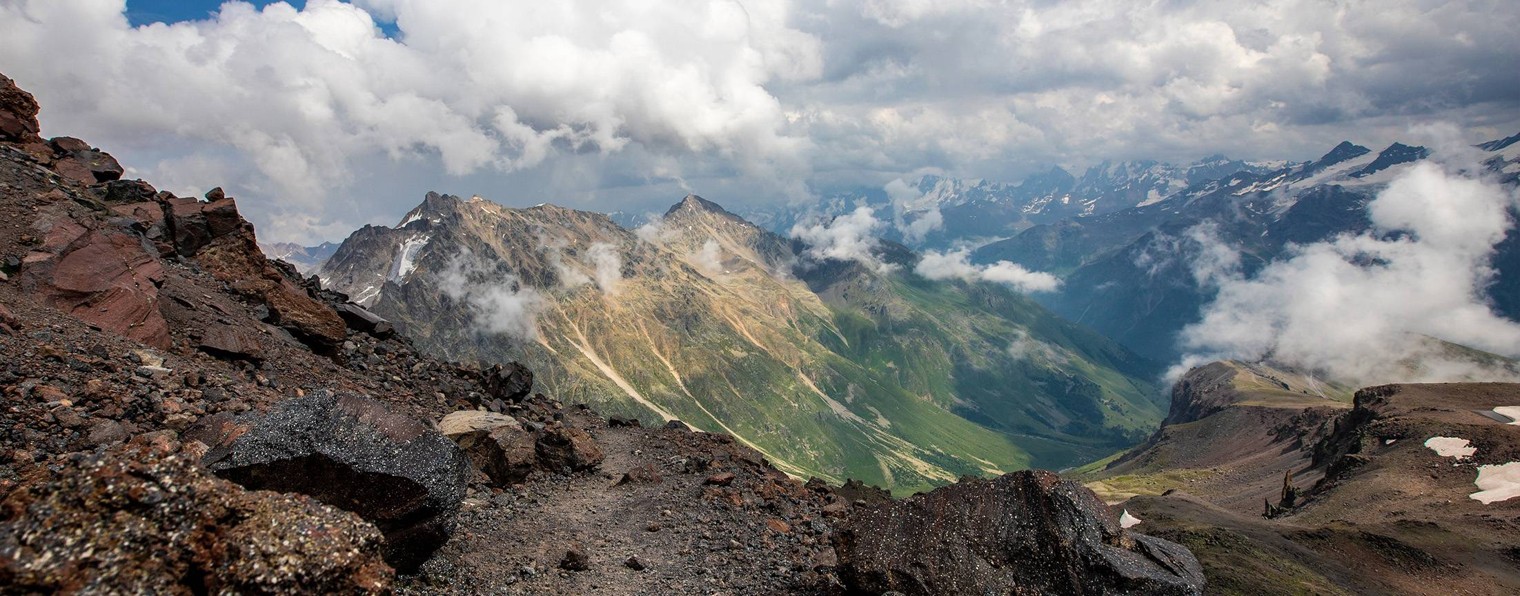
{"x": 182, "y": 415}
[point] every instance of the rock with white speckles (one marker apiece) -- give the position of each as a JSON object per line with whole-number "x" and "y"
{"x": 141, "y": 518}
{"x": 352, "y": 452}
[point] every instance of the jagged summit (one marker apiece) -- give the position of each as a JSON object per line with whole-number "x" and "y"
{"x": 433, "y": 207}
{"x": 692, "y": 201}
{"x": 1499, "y": 144}
{"x": 1395, "y": 154}
{"x": 1342, "y": 152}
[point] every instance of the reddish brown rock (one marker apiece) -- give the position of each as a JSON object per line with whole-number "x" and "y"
{"x": 218, "y": 238}
{"x": 642, "y": 474}
{"x": 8, "y": 321}
{"x": 150, "y": 222}
{"x": 568, "y": 449}
{"x": 75, "y": 159}
{"x": 506, "y": 454}
{"x": 106, "y": 278}
{"x": 720, "y": 479}
{"x": 231, "y": 343}
{"x": 18, "y": 114}
{"x": 139, "y": 518}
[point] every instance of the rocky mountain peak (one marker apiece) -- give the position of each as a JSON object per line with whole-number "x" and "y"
{"x": 1342, "y": 152}
{"x": 694, "y": 202}
{"x": 434, "y": 207}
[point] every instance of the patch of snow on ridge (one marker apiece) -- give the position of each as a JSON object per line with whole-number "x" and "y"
{"x": 1451, "y": 447}
{"x": 1497, "y": 483}
{"x": 1129, "y": 521}
{"x": 1511, "y": 412}
{"x": 406, "y": 257}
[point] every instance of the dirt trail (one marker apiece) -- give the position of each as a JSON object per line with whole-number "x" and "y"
{"x": 691, "y": 537}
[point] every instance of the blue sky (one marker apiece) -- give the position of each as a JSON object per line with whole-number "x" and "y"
{"x": 143, "y": 12}
{"x": 324, "y": 115}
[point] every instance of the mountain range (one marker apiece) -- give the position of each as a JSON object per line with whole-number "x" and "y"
{"x": 832, "y": 368}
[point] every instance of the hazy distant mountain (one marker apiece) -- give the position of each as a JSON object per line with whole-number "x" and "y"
{"x": 306, "y": 258}
{"x": 1129, "y": 274}
{"x": 977, "y": 211}
{"x": 832, "y": 369}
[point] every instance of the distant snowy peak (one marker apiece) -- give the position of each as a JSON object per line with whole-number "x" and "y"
{"x": 305, "y": 258}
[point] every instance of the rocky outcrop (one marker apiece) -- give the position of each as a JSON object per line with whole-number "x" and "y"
{"x": 362, "y": 320}
{"x": 508, "y": 453}
{"x": 18, "y": 114}
{"x": 353, "y": 453}
{"x": 1026, "y": 532}
{"x": 106, "y": 277}
{"x": 141, "y": 518}
{"x": 221, "y": 241}
{"x": 1202, "y": 392}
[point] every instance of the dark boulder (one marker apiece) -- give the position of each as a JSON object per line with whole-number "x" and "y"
{"x": 1025, "y": 532}
{"x": 351, "y": 452}
{"x": 73, "y": 158}
{"x": 122, "y": 192}
{"x": 362, "y": 320}
{"x": 141, "y": 518}
{"x": 568, "y": 449}
{"x": 509, "y": 383}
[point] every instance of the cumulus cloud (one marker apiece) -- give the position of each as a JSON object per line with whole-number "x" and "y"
{"x": 607, "y": 266}
{"x": 499, "y": 302}
{"x": 316, "y": 115}
{"x": 849, "y": 237}
{"x": 1376, "y": 307}
{"x": 301, "y": 95}
{"x": 709, "y": 258}
{"x": 654, "y": 232}
{"x": 956, "y": 264}
{"x": 554, "y": 249}
{"x": 914, "y": 223}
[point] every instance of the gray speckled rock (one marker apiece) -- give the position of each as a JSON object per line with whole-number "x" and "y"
{"x": 353, "y": 453}
{"x": 143, "y": 518}
{"x": 1025, "y": 532}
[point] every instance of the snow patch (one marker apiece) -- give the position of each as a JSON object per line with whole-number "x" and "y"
{"x": 1511, "y": 412}
{"x": 1129, "y": 521}
{"x": 1451, "y": 447}
{"x": 1497, "y": 483}
{"x": 366, "y": 297}
{"x": 406, "y": 257}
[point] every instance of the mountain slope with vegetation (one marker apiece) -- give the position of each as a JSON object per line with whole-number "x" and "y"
{"x": 831, "y": 369}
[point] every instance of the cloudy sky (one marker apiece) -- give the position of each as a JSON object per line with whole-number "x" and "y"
{"x": 325, "y": 115}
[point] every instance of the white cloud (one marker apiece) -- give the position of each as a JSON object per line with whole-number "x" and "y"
{"x": 709, "y": 258}
{"x": 608, "y": 266}
{"x": 1363, "y": 308}
{"x": 1025, "y": 348}
{"x": 912, "y": 221}
{"x": 849, "y": 237}
{"x": 956, "y": 264}
{"x": 500, "y": 303}
{"x": 313, "y": 116}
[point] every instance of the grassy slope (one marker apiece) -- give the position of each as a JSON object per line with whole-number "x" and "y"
{"x": 908, "y": 399}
